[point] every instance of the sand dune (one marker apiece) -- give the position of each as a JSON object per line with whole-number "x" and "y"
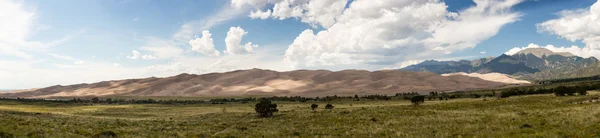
{"x": 495, "y": 77}
{"x": 268, "y": 82}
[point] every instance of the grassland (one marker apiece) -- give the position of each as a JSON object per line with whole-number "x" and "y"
{"x": 518, "y": 116}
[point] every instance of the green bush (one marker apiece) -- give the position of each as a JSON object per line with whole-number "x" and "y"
{"x": 416, "y": 100}
{"x": 265, "y": 108}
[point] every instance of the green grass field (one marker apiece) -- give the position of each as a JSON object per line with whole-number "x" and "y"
{"x": 518, "y": 116}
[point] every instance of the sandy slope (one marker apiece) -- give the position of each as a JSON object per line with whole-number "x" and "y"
{"x": 267, "y": 82}
{"x": 495, "y": 77}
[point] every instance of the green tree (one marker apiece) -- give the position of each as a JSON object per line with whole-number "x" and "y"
{"x": 265, "y": 108}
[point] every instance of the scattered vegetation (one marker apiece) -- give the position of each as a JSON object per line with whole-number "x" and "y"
{"x": 541, "y": 115}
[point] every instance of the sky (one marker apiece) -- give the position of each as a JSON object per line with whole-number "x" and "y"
{"x": 62, "y": 42}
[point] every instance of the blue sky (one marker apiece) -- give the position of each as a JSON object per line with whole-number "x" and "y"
{"x": 50, "y": 42}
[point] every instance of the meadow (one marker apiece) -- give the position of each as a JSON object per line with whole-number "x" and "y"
{"x": 542, "y": 115}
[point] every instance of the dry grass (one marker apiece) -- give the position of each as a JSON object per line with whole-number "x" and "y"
{"x": 521, "y": 116}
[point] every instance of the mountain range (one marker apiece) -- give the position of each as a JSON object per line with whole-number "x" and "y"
{"x": 530, "y": 64}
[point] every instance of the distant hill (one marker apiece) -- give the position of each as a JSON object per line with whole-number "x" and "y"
{"x": 530, "y": 64}
{"x": 270, "y": 83}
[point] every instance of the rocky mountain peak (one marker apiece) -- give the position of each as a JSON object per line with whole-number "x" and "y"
{"x": 541, "y": 52}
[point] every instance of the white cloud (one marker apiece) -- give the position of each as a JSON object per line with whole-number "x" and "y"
{"x": 161, "y": 48}
{"x": 79, "y": 62}
{"x": 187, "y": 31}
{"x": 253, "y": 3}
{"x": 66, "y": 66}
{"x": 204, "y": 44}
{"x": 392, "y": 31}
{"x": 138, "y": 55}
{"x": 16, "y": 22}
{"x": 482, "y": 52}
{"x": 575, "y": 50}
{"x": 574, "y": 25}
{"x": 16, "y": 26}
{"x": 313, "y": 12}
{"x": 63, "y": 57}
{"x": 260, "y": 14}
{"x": 233, "y": 40}
{"x": 136, "y": 19}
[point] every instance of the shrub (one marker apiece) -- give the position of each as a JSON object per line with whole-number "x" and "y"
{"x": 582, "y": 91}
{"x": 329, "y": 106}
{"x": 106, "y": 134}
{"x": 265, "y": 108}
{"x": 6, "y": 135}
{"x": 416, "y": 100}
{"x": 314, "y": 106}
{"x": 560, "y": 90}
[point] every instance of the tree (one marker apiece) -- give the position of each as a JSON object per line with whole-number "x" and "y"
{"x": 265, "y": 108}
{"x": 329, "y": 106}
{"x": 95, "y": 100}
{"x": 416, "y": 100}
{"x": 314, "y": 106}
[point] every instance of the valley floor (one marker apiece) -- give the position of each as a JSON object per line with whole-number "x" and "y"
{"x": 518, "y": 116}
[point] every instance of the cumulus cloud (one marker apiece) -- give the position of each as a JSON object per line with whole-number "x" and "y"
{"x": 233, "y": 42}
{"x": 138, "y": 55}
{"x": 575, "y": 50}
{"x": 574, "y": 25}
{"x": 254, "y": 3}
{"x": 260, "y": 14}
{"x": 392, "y": 31}
{"x": 204, "y": 44}
{"x": 313, "y": 12}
